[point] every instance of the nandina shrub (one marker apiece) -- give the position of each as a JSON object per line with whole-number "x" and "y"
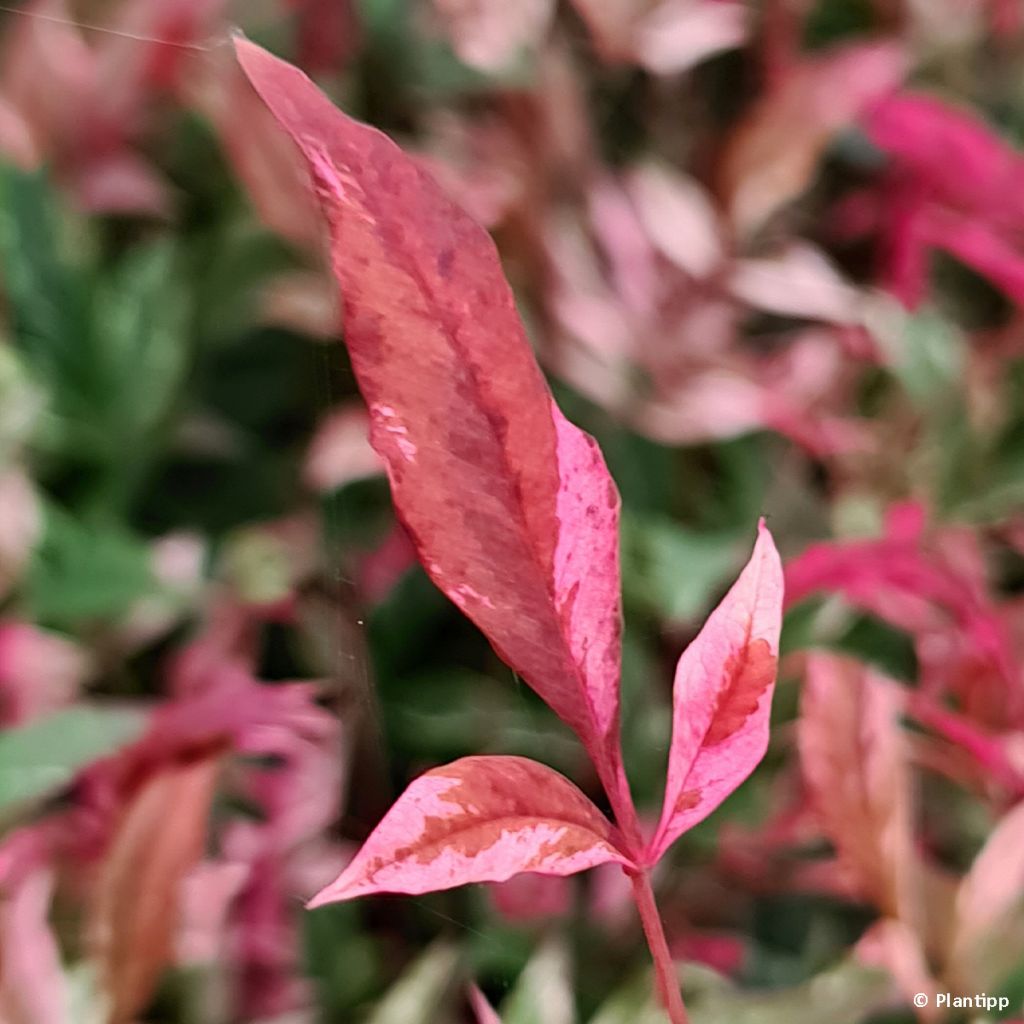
{"x": 515, "y": 517}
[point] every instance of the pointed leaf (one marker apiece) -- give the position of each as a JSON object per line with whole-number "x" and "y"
{"x": 989, "y": 920}
{"x": 479, "y": 819}
{"x": 32, "y": 983}
{"x": 137, "y": 909}
{"x": 543, "y": 993}
{"x": 36, "y": 760}
{"x": 722, "y": 697}
{"x": 774, "y": 154}
{"x": 482, "y": 1009}
{"x": 419, "y": 996}
{"x": 896, "y": 948}
{"x": 855, "y": 763}
{"x": 511, "y": 507}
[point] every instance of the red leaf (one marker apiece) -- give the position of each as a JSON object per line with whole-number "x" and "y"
{"x": 479, "y": 819}
{"x": 854, "y": 759}
{"x": 511, "y": 508}
{"x": 723, "y": 691}
{"x": 135, "y": 917}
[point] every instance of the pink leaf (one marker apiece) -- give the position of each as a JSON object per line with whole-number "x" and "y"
{"x": 895, "y": 947}
{"x": 994, "y": 886}
{"x": 855, "y": 763}
{"x": 271, "y": 174}
{"x": 977, "y": 245}
{"x": 482, "y": 1009}
{"x": 479, "y": 819}
{"x": 531, "y": 897}
{"x": 489, "y": 34}
{"x": 340, "y": 451}
{"x": 722, "y": 698}
{"x": 136, "y": 906}
{"x": 773, "y": 156}
{"x": 511, "y": 508}
{"x": 679, "y": 217}
{"x": 32, "y": 982}
{"x": 39, "y": 672}
{"x": 961, "y": 160}
{"x": 679, "y": 34}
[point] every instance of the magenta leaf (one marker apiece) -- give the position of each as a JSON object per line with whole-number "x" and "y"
{"x": 511, "y": 508}
{"x": 479, "y": 819}
{"x": 722, "y": 698}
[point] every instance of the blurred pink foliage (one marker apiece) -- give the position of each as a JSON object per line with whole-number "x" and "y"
{"x": 709, "y": 285}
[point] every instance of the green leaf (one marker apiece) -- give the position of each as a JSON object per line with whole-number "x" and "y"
{"x": 139, "y": 323}
{"x": 48, "y": 299}
{"x": 673, "y": 572}
{"x": 930, "y": 356}
{"x": 108, "y": 346}
{"x": 82, "y": 572}
{"x": 39, "y": 759}
{"x": 845, "y": 994}
{"x": 632, "y": 1003}
{"x": 421, "y": 995}
{"x": 543, "y": 994}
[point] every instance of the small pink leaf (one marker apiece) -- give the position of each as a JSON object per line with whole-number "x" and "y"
{"x": 994, "y": 886}
{"x": 855, "y": 762}
{"x": 511, "y": 508}
{"x": 894, "y": 946}
{"x": 482, "y": 1009}
{"x": 33, "y": 987}
{"x": 479, "y": 819}
{"x": 722, "y": 698}
{"x": 490, "y": 34}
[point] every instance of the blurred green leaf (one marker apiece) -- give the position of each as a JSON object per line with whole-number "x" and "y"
{"x": 344, "y": 962}
{"x": 632, "y": 1003}
{"x": 845, "y": 994}
{"x": 673, "y": 572}
{"x": 930, "y": 356}
{"x": 39, "y": 759}
{"x": 82, "y": 572}
{"x": 21, "y": 403}
{"x": 421, "y": 995}
{"x": 543, "y": 994}
{"x": 141, "y": 315}
{"x": 48, "y": 299}
{"x": 107, "y": 345}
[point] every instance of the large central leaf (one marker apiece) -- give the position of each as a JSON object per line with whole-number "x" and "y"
{"x": 511, "y": 507}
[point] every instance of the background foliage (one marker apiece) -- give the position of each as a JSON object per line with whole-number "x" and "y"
{"x": 765, "y": 273}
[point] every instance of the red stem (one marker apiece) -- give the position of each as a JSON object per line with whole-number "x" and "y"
{"x": 664, "y": 968}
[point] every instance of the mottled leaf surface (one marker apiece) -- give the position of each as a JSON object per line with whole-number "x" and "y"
{"x": 722, "y": 697}
{"x": 479, "y": 819}
{"x": 511, "y": 508}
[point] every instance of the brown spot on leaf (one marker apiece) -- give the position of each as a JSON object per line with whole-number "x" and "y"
{"x": 748, "y": 673}
{"x": 688, "y": 799}
{"x": 487, "y": 804}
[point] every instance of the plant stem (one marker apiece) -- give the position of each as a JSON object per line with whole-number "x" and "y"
{"x": 664, "y": 968}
